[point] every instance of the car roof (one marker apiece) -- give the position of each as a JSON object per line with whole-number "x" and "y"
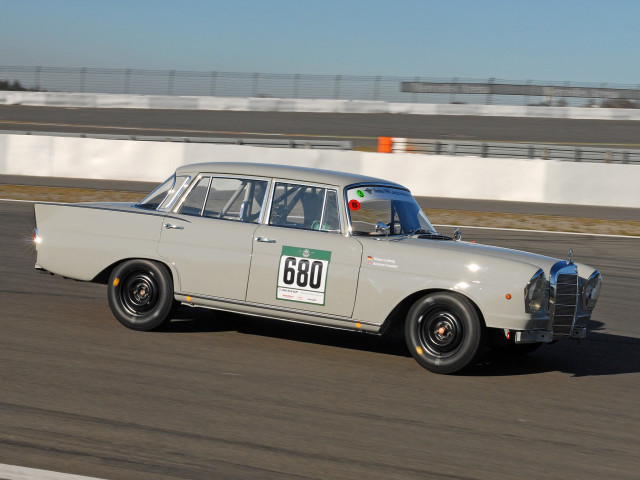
{"x": 285, "y": 172}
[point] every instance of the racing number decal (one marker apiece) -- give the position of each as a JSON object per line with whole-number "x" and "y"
{"x": 307, "y": 274}
{"x": 302, "y": 275}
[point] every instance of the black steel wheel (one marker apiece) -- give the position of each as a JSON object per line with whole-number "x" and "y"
{"x": 140, "y": 294}
{"x": 443, "y": 332}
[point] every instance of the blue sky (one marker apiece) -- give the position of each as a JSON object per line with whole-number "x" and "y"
{"x": 561, "y": 40}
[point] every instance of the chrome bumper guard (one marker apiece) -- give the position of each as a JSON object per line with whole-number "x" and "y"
{"x": 532, "y": 336}
{"x": 545, "y": 336}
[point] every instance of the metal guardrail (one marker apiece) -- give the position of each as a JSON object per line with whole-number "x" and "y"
{"x": 517, "y": 150}
{"x": 254, "y": 142}
{"x": 339, "y": 87}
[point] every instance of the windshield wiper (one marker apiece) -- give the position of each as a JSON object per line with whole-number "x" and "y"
{"x": 422, "y": 233}
{"x": 419, "y": 231}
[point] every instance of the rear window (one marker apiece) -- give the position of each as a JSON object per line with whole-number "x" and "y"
{"x": 165, "y": 194}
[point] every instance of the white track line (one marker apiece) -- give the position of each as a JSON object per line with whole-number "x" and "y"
{"x": 539, "y": 231}
{"x": 22, "y": 201}
{"x": 437, "y": 225}
{"x": 12, "y": 472}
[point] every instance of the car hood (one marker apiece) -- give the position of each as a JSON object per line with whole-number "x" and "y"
{"x": 478, "y": 250}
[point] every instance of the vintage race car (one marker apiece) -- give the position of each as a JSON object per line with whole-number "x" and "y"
{"x": 319, "y": 247}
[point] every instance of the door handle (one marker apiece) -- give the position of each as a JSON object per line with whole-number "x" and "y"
{"x": 170, "y": 226}
{"x": 265, "y": 240}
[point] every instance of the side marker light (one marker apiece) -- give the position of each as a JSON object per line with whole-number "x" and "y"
{"x": 116, "y": 281}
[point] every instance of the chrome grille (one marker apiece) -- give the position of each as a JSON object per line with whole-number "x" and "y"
{"x": 563, "y": 297}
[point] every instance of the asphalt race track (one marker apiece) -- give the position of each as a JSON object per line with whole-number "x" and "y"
{"x": 223, "y": 396}
{"x": 362, "y": 129}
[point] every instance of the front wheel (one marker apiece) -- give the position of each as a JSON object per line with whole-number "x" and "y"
{"x": 140, "y": 294}
{"x": 443, "y": 332}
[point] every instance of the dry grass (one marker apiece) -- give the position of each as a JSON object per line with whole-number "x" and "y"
{"x": 534, "y": 222}
{"x": 438, "y": 217}
{"x": 61, "y": 194}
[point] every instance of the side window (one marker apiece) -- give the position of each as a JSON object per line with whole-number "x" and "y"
{"x": 194, "y": 203}
{"x": 330, "y": 215}
{"x": 306, "y": 207}
{"x": 235, "y": 199}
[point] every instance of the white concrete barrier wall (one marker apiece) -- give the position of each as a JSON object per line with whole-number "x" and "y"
{"x": 105, "y": 100}
{"x": 545, "y": 181}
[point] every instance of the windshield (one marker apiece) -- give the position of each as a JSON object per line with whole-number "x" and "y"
{"x": 394, "y": 207}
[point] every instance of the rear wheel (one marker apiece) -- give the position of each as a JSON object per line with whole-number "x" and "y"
{"x": 140, "y": 294}
{"x": 443, "y": 332}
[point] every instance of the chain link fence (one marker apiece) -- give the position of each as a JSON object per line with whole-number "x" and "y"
{"x": 338, "y": 87}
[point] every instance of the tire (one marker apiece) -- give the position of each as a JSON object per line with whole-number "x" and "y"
{"x": 443, "y": 332}
{"x": 140, "y": 294}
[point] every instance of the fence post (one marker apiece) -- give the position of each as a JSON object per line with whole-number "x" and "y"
{"x": 336, "y": 87}
{"x": 38, "y": 70}
{"x": 376, "y": 88}
{"x": 452, "y": 94}
{"x": 577, "y": 155}
{"x": 212, "y": 85}
{"x": 296, "y": 85}
{"x": 171, "y": 75}
{"x": 489, "y": 99}
{"x": 127, "y": 80}
{"x": 254, "y": 88}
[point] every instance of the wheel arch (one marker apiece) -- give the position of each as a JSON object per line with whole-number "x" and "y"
{"x": 103, "y": 276}
{"x": 394, "y": 322}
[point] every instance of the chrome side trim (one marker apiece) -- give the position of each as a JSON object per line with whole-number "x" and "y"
{"x": 274, "y": 308}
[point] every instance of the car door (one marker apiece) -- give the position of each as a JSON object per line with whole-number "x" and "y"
{"x": 301, "y": 258}
{"x": 209, "y": 236}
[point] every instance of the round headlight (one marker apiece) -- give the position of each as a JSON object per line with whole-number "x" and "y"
{"x": 591, "y": 290}
{"x": 534, "y": 292}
